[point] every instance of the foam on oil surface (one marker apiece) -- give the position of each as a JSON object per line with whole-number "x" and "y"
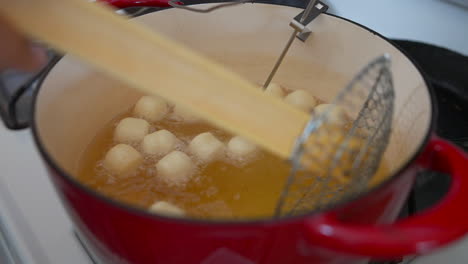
{"x": 226, "y": 188}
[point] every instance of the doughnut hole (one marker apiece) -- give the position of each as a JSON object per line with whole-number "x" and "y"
{"x": 159, "y": 143}
{"x": 335, "y": 114}
{"x": 184, "y": 115}
{"x": 151, "y": 108}
{"x": 206, "y": 147}
{"x": 176, "y": 168}
{"x": 166, "y": 208}
{"x": 131, "y": 130}
{"x": 239, "y": 148}
{"x": 301, "y": 99}
{"x": 275, "y": 90}
{"x": 122, "y": 160}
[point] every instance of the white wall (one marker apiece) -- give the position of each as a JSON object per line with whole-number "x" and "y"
{"x": 434, "y": 21}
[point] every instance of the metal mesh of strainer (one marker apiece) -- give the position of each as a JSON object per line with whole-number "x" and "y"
{"x": 331, "y": 163}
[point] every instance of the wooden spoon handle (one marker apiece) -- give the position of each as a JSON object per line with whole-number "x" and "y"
{"x": 156, "y": 65}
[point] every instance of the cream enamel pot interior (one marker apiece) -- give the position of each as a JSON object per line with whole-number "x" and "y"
{"x": 75, "y": 101}
{"x": 235, "y": 45}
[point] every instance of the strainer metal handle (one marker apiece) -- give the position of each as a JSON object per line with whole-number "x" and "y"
{"x": 135, "y": 3}
{"x": 434, "y": 228}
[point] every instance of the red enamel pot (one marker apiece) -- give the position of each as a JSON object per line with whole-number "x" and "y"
{"x": 73, "y": 102}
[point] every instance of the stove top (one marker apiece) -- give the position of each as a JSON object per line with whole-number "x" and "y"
{"x": 444, "y": 70}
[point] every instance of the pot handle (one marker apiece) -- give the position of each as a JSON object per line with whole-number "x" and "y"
{"x": 134, "y": 3}
{"x": 421, "y": 233}
{"x": 9, "y": 103}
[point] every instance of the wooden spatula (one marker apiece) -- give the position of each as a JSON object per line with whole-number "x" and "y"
{"x": 156, "y": 65}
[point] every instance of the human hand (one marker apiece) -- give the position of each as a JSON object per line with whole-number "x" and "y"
{"x": 17, "y": 52}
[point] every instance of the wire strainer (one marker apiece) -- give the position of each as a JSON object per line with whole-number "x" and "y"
{"x": 331, "y": 163}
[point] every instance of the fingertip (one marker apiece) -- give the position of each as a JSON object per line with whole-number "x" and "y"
{"x": 29, "y": 58}
{"x": 38, "y": 57}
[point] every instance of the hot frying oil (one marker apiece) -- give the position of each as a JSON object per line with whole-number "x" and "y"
{"x": 221, "y": 189}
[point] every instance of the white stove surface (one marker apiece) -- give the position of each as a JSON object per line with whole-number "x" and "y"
{"x": 29, "y": 205}
{"x": 36, "y": 222}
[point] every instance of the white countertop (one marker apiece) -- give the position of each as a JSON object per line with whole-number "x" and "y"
{"x": 37, "y": 221}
